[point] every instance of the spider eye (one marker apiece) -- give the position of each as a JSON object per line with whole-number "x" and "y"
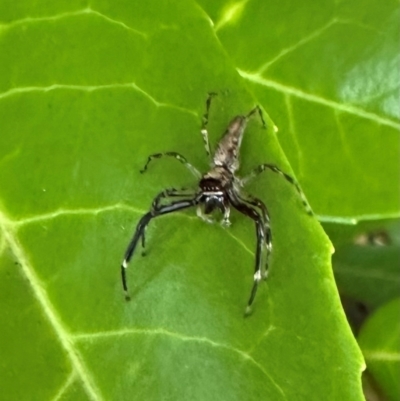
{"x": 210, "y": 185}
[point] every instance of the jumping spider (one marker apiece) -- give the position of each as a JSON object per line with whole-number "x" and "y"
{"x": 218, "y": 189}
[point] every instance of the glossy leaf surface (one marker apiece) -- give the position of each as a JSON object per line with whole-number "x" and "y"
{"x": 379, "y": 341}
{"x": 369, "y": 273}
{"x": 327, "y": 72}
{"x": 86, "y": 94}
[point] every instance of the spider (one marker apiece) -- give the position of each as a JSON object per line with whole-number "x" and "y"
{"x": 217, "y": 190}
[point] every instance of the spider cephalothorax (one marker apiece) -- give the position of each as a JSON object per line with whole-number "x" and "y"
{"x": 218, "y": 189}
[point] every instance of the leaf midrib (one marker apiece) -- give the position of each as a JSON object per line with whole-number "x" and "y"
{"x": 8, "y": 229}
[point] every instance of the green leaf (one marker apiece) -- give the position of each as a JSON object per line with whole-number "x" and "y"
{"x": 327, "y": 74}
{"x": 375, "y": 270}
{"x": 380, "y": 342}
{"x": 86, "y": 94}
{"x": 369, "y": 273}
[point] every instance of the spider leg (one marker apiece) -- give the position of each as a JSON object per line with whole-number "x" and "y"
{"x": 258, "y": 110}
{"x": 252, "y": 200}
{"x": 262, "y": 167}
{"x": 204, "y": 132}
{"x": 175, "y": 155}
{"x": 171, "y": 192}
{"x": 267, "y": 227}
{"x": 144, "y": 242}
{"x": 141, "y": 227}
{"x": 251, "y": 212}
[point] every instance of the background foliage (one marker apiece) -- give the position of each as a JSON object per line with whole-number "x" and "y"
{"x": 88, "y": 91}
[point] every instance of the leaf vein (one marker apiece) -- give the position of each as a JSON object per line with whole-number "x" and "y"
{"x": 357, "y": 218}
{"x": 382, "y": 356}
{"x": 85, "y": 11}
{"x": 64, "y": 212}
{"x": 230, "y": 14}
{"x": 91, "y": 88}
{"x": 95, "y": 211}
{"x": 49, "y": 311}
{"x": 179, "y": 336}
{"x": 295, "y": 46}
{"x": 348, "y": 108}
{"x": 66, "y": 385}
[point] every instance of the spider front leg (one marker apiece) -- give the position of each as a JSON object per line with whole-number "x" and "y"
{"x": 267, "y": 228}
{"x": 171, "y": 193}
{"x": 262, "y": 167}
{"x": 141, "y": 227}
{"x": 176, "y": 156}
{"x": 247, "y": 210}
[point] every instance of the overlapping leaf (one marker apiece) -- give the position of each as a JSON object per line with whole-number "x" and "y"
{"x": 380, "y": 345}
{"x": 86, "y": 94}
{"x": 327, "y": 72}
